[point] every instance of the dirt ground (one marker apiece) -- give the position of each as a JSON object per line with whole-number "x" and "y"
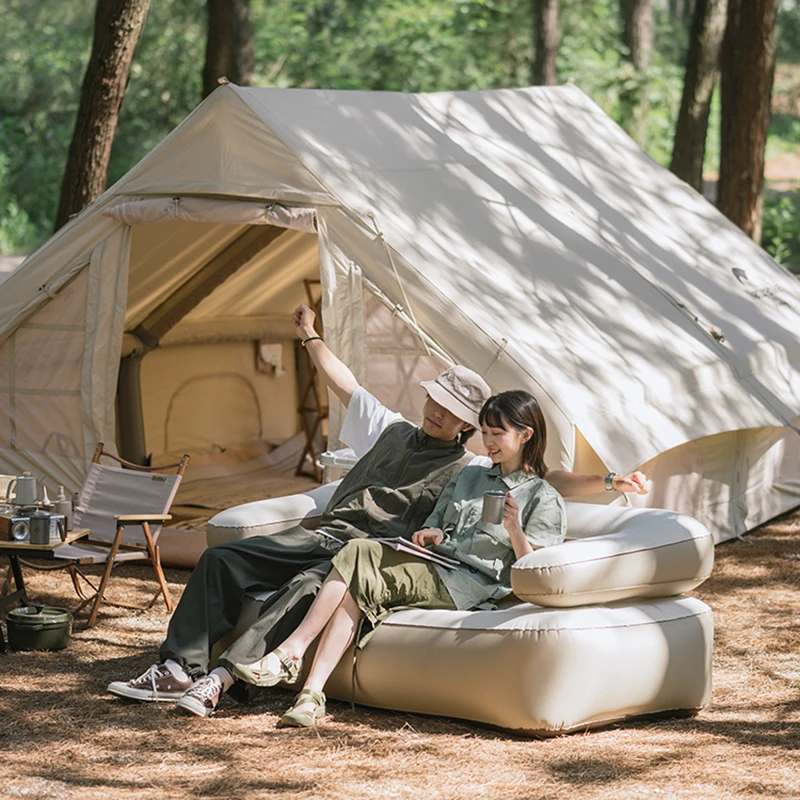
{"x": 62, "y": 736}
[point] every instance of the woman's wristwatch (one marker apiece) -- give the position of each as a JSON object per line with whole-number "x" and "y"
{"x": 610, "y": 481}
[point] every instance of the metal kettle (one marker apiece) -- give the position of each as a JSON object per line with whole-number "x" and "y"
{"x": 25, "y": 490}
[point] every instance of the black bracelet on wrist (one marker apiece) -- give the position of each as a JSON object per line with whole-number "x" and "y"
{"x": 310, "y": 339}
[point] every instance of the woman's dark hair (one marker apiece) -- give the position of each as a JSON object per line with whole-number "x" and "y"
{"x": 465, "y": 436}
{"x": 520, "y": 410}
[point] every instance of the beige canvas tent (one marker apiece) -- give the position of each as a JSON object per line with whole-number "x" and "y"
{"x": 519, "y": 232}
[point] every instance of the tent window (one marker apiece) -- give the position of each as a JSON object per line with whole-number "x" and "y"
{"x": 40, "y": 401}
{"x": 396, "y": 360}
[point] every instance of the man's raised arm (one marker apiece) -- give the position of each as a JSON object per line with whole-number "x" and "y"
{"x": 577, "y": 484}
{"x": 335, "y": 374}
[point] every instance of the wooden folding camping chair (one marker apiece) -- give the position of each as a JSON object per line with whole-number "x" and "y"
{"x": 112, "y": 500}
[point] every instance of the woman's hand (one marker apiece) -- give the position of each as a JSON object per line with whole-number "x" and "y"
{"x": 511, "y": 523}
{"x": 635, "y": 482}
{"x": 428, "y": 536}
{"x": 511, "y": 516}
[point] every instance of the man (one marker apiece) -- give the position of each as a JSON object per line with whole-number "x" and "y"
{"x": 390, "y": 491}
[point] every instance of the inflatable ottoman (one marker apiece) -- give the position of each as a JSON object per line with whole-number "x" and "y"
{"x": 598, "y": 632}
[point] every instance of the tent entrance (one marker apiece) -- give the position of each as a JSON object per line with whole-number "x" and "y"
{"x": 223, "y": 382}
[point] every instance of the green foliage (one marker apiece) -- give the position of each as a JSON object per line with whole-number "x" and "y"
{"x": 784, "y": 134}
{"x": 41, "y": 65}
{"x": 17, "y": 232}
{"x": 780, "y": 235}
{"x": 390, "y": 45}
{"x": 44, "y": 49}
{"x": 591, "y": 51}
{"x": 789, "y": 31}
{"x": 593, "y": 54}
{"x": 165, "y": 82}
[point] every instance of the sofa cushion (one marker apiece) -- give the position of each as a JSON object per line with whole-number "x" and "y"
{"x": 627, "y": 553}
{"x": 264, "y": 517}
{"x": 538, "y": 671}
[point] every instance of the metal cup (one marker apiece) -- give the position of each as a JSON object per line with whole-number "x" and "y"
{"x": 40, "y": 527}
{"x": 493, "y": 503}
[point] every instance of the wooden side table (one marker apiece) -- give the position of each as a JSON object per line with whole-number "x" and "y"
{"x": 16, "y": 549}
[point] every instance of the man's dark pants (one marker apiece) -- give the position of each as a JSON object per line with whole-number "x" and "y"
{"x": 293, "y": 563}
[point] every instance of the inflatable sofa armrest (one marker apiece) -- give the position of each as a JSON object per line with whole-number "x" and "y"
{"x": 614, "y": 553}
{"x": 264, "y": 517}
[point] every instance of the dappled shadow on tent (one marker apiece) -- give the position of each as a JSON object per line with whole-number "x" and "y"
{"x": 570, "y": 212}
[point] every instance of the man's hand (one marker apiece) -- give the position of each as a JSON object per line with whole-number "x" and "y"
{"x": 428, "y": 536}
{"x": 304, "y": 319}
{"x": 635, "y": 482}
{"x": 338, "y": 378}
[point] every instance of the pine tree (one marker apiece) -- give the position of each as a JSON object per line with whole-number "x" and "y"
{"x": 117, "y": 25}
{"x": 702, "y": 64}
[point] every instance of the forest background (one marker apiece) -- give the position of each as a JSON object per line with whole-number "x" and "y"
{"x": 399, "y": 45}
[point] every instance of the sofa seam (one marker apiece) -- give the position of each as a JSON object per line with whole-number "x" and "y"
{"x": 544, "y": 567}
{"x": 260, "y": 524}
{"x": 550, "y": 593}
{"x": 704, "y": 612}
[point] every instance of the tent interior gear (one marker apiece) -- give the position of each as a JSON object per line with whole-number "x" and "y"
{"x": 518, "y": 232}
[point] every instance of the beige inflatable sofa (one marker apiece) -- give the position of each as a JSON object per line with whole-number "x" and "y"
{"x": 599, "y": 630}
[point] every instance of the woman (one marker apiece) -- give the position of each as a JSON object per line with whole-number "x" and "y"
{"x": 369, "y": 579}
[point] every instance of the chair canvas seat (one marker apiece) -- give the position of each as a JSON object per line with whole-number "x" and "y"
{"x": 117, "y": 505}
{"x": 97, "y": 553}
{"x": 109, "y": 491}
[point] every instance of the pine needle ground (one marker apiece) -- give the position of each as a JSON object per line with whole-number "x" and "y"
{"x": 62, "y": 736}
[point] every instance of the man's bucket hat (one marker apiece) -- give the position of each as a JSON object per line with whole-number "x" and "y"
{"x": 461, "y": 391}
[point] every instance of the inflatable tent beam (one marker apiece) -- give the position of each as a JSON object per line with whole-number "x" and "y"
{"x": 132, "y": 445}
{"x": 200, "y": 285}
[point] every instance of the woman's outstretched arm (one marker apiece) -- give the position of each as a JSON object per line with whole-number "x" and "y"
{"x": 577, "y": 484}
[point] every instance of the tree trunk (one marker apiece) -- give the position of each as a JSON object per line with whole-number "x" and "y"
{"x": 229, "y": 46}
{"x": 637, "y": 36}
{"x": 637, "y": 31}
{"x": 708, "y": 28}
{"x": 117, "y": 25}
{"x": 545, "y": 42}
{"x": 748, "y": 68}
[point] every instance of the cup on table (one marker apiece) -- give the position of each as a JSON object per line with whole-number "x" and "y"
{"x": 493, "y": 503}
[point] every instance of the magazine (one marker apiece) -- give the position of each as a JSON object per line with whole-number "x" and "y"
{"x": 405, "y": 546}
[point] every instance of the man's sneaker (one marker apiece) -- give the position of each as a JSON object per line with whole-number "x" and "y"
{"x": 203, "y": 697}
{"x": 156, "y": 685}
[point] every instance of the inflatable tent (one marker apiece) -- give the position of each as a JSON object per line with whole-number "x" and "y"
{"x": 519, "y": 232}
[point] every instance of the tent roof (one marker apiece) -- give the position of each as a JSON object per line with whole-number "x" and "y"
{"x": 530, "y": 237}
{"x": 629, "y": 298}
